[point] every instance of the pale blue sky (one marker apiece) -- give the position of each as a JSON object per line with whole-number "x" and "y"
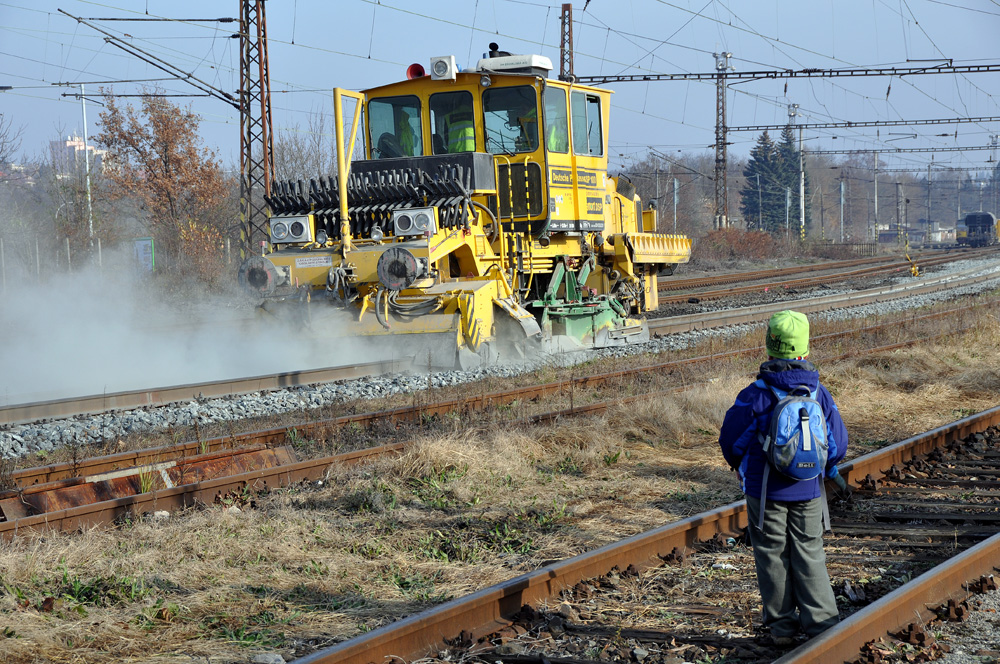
{"x": 316, "y": 45}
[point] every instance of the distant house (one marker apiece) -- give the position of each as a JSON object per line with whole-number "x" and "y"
{"x": 68, "y": 156}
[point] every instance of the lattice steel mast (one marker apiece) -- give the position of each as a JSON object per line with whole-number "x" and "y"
{"x": 256, "y": 137}
{"x": 721, "y": 192}
{"x": 566, "y": 43}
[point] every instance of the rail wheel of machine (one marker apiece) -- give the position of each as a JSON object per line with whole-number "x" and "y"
{"x": 397, "y": 268}
{"x": 257, "y": 276}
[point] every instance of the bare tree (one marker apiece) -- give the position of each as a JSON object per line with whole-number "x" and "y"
{"x": 10, "y": 139}
{"x": 306, "y": 153}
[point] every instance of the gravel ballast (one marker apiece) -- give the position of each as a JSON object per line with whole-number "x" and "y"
{"x": 20, "y": 440}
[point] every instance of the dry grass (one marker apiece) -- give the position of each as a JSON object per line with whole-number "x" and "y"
{"x": 461, "y": 509}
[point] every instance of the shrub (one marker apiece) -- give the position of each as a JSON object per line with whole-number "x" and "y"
{"x": 732, "y": 243}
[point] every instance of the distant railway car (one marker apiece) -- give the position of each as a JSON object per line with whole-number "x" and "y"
{"x": 981, "y": 229}
{"x": 961, "y": 233}
{"x": 483, "y": 216}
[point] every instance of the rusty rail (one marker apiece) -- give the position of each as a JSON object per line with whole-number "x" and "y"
{"x": 411, "y": 414}
{"x": 489, "y": 609}
{"x": 205, "y": 492}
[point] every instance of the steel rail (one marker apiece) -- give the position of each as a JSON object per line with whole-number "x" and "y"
{"x": 186, "y": 495}
{"x": 796, "y": 283}
{"x": 166, "y": 457}
{"x": 691, "y": 322}
{"x": 410, "y": 414}
{"x": 15, "y": 414}
{"x": 673, "y": 284}
{"x": 487, "y": 610}
{"x": 99, "y": 403}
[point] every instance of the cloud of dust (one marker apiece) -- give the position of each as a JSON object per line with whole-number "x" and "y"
{"x": 100, "y": 331}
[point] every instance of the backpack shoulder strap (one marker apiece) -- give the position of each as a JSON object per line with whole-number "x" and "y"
{"x": 779, "y": 394}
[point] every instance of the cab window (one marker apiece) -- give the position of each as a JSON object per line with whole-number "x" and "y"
{"x": 453, "y": 127}
{"x": 394, "y": 123}
{"x": 511, "y": 119}
{"x": 588, "y": 138}
{"x": 556, "y": 122}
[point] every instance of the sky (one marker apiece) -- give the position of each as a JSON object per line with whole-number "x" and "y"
{"x": 315, "y": 45}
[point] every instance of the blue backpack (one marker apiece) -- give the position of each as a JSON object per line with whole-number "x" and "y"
{"x": 795, "y": 443}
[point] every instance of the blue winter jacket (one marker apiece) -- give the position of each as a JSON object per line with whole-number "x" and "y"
{"x": 752, "y": 413}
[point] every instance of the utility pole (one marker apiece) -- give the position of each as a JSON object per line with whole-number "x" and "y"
{"x": 899, "y": 214}
{"x": 86, "y": 160}
{"x": 676, "y": 199}
{"x": 256, "y": 138}
{"x": 657, "y": 187}
{"x": 822, "y": 211}
{"x": 760, "y": 206}
{"x": 793, "y": 111}
{"x": 993, "y": 176}
{"x": 566, "y": 43}
{"x": 721, "y": 193}
{"x": 842, "y": 210}
{"x": 875, "y": 234}
{"x": 788, "y": 207}
{"x": 958, "y": 196}
{"x": 929, "y": 224}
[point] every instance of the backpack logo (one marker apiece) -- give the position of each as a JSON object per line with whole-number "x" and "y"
{"x": 796, "y": 440}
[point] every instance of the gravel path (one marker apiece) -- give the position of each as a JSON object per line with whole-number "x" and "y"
{"x": 19, "y": 440}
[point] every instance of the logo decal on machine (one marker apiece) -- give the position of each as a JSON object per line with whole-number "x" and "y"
{"x": 586, "y": 179}
{"x": 595, "y": 205}
{"x": 561, "y": 177}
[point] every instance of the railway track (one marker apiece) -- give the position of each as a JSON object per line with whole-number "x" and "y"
{"x": 212, "y": 490}
{"x": 98, "y": 490}
{"x": 100, "y": 403}
{"x": 803, "y": 282}
{"x": 759, "y": 313}
{"x": 885, "y": 262}
{"x": 415, "y": 414}
{"x": 672, "y": 593}
{"x": 29, "y": 412}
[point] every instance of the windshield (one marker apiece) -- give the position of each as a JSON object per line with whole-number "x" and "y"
{"x": 395, "y": 127}
{"x": 511, "y": 119}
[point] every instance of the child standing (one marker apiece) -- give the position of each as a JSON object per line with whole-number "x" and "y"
{"x": 788, "y": 541}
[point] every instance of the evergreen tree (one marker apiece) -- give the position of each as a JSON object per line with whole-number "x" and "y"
{"x": 762, "y": 199}
{"x": 788, "y": 158}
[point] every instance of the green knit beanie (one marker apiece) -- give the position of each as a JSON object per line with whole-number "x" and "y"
{"x": 787, "y": 335}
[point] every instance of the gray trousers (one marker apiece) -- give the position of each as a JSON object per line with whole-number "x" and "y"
{"x": 791, "y": 567}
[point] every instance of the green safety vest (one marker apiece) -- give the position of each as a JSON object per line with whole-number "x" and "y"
{"x": 461, "y": 133}
{"x": 557, "y": 141}
{"x": 405, "y": 135}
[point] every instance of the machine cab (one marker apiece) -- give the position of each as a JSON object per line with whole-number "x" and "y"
{"x": 547, "y": 138}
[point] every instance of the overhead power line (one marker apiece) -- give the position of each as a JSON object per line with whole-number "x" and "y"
{"x": 790, "y": 73}
{"x": 161, "y": 64}
{"x": 163, "y": 19}
{"x": 869, "y": 123}
{"x": 882, "y": 150}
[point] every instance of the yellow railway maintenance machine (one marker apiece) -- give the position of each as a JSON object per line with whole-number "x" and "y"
{"x": 482, "y": 223}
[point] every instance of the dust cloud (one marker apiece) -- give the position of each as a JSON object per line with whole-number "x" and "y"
{"x": 101, "y": 331}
